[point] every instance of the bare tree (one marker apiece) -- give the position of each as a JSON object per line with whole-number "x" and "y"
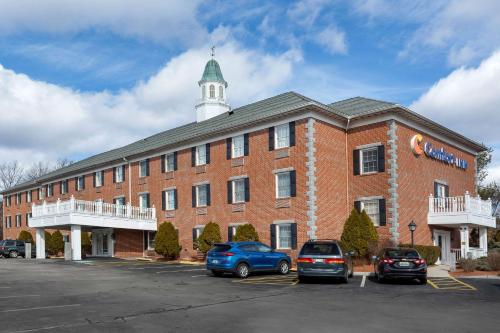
{"x": 37, "y": 170}
{"x": 11, "y": 174}
{"x": 63, "y": 162}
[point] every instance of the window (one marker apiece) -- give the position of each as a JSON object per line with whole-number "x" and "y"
{"x": 170, "y": 199}
{"x": 144, "y": 200}
{"x": 238, "y": 146}
{"x": 28, "y": 216}
{"x": 7, "y": 201}
{"x": 28, "y": 196}
{"x": 221, "y": 92}
{"x": 440, "y": 190}
{"x": 282, "y": 138}
{"x": 202, "y": 195}
{"x": 80, "y": 183}
{"x": 231, "y": 232}
{"x": 151, "y": 235}
{"x": 170, "y": 162}
{"x": 284, "y": 236}
{"x": 212, "y": 91}
{"x": 201, "y": 155}
{"x": 239, "y": 190}
{"x": 371, "y": 207}
{"x": 196, "y": 234}
{"x": 40, "y": 193}
{"x": 144, "y": 168}
{"x": 283, "y": 188}
{"x": 64, "y": 186}
{"x": 99, "y": 179}
{"x": 120, "y": 201}
{"x": 369, "y": 160}
{"x": 18, "y": 198}
{"x": 8, "y": 222}
{"x": 120, "y": 174}
{"x": 50, "y": 190}
{"x": 18, "y": 221}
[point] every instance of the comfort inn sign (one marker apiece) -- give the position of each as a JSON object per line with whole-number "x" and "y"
{"x": 434, "y": 153}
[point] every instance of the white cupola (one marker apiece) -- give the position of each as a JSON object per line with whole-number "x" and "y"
{"x": 213, "y": 92}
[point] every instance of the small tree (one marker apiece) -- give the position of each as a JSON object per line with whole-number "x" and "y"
{"x": 246, "y": 233}
{"x": 369, "y": 233}
{"x": 48, "y": 241}
{"x": 25, "y": 236}
{"x": 167, "y": 241}
{"x": 359, "y": 232}
{"x": 209, "y": 236}
{"x": 86, "y": 243}
{"x": 56, "y": 243}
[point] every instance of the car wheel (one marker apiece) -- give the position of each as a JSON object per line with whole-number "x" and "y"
{"x": 284, "y": 267}
{"x": 345, "y": 279}
{"x": 423, "y": 280}
{"x": 216, "y": 273}
{"x": 242, "y": 271}
{"x": 13, "y": 254}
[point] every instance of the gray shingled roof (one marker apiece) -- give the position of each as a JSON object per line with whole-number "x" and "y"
{"x": 359, "y": 105}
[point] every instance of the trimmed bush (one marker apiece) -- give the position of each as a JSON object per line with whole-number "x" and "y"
{"x": 86, "y": 243}
{"x": 209, "y": 236}
{"x": 494, "y": 261}
{"x": 25, "y": 236}
{"x": 167, "y": 241}
{"x": 359, "y": 234}
{"x": 468, "y": 265}
{"x": 48, "y": 240}
{"x": 246, "y": 233}
{"x": 430, "y": 253}
{"x": 56, "y": 243}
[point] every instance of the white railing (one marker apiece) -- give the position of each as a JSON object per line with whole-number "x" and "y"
{"x": 459, "y": 204}
{"x": 93, "y": 208}
{"x": 457, "y": 253}
{"x": 475, "y": 253}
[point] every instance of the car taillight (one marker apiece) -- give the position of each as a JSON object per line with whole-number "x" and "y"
{"x": 228, "y": 254}
{"x": 387, "y": 261}
{"x": 334, "y": 261}
{"x": 419, "y": 262}
{"x": 305, "y": 260}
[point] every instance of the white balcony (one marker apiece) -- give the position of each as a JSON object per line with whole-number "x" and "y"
{"x": 92, "y": 214}
{"x": 460, "y": 210}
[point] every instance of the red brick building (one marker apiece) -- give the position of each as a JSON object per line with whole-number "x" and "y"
{"x": 291, "y": 166}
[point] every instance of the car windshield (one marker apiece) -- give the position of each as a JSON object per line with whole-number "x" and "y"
{"x": 221, "y": 248}
{"x": 402, "y": 253}
{"x": 327, "y": 249}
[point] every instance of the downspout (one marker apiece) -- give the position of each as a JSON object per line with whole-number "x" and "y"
{"x": 129, "y": 180}
{"x": 347, "y": 168}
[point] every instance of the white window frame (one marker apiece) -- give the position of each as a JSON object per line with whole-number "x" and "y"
{"x": 362, "y": 162}
{"x": 79, "y": 183}
{"x": 240, "y": 181}
{"x": 278, "y": 235}
{"x": 168, "y": 167}
{"x": 199, "y": 230}
{"x": 64, "y": 186}
{"x": 9, "y": 222}
{"x": 277, "y": 185}
{"x": 169, "y": 195}
{"x": 233, "y": 230}
{"x": 198, "y": 156}
{"x": 18, "y": 198}
{"x": 28, "y": 196}
{"x": 143, "y": 173}
{"x": 238, "y": 151}
{"x": 99, "y": 176}
{"x": 115, "y": 199}
{"x": 151, "y": 242}
{"x": 281, "y": 142}
{"x": 7, "y": 201}
{"x": 141, "y": 196}
{"x": 375, "y": 202}
{"x": 204, "y": 186}
{"x": 211, "y": 91}
{"x": 50, "y": 190}
{"x": 119, "y": 174}
{"x": 18, "y": 220}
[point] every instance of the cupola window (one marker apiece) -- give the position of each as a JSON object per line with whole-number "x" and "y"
{"x": 212, "y": 91}
{"x": 221, "y": 92}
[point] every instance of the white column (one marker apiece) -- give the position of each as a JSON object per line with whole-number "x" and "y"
{"x": 464, "y": 240}
{"x": 40, "y": 243}
{"x": 94, "y": 243}
{"x": 483, "y": 240}
{"x": 76, "y": 242}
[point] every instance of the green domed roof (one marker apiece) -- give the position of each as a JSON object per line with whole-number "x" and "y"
{"x": 212, "y": 73}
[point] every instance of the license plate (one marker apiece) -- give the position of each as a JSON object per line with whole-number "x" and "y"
{"x": 319, "y": 261}
{"x": 404, "y": 264}
{"x": 215, "y": 261}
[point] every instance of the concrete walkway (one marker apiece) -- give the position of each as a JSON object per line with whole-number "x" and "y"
{"x": 438, "y": 271}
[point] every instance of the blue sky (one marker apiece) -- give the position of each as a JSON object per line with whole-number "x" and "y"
{"x": 82, "y": 77}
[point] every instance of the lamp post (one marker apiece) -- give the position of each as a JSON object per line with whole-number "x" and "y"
{"x": 412, "y": 226}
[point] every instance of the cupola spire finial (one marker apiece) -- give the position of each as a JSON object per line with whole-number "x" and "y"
{"x": 213, "y": 51}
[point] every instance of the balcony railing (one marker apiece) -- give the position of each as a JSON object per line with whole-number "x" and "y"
{"x": 97, "y": 208}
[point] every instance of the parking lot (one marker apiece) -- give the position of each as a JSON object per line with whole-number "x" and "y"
{"x": 131, "y": 296}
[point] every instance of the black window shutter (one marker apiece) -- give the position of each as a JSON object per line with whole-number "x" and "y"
{"x": 163, "y": 203}
{"x": 357, "y": 206}
{"x": 114, "y": 175}
{"x": 194, "y": 237}
{"x": 293, "y": 183}
{"x": 193, "y": 156}
{"x": 229, "y": 234}
{"x": 147, "y": 166}
{"x": 102, "y": 177}
{"x": 294, "y": 235}
{"x": 355, "y": 161}
{"x": 246, "y": 146}
{"x": 145, "y": 233}
{"x": 208, "y": 194}
{"x": 229, "y": 191}
{"x": 292, "y": 133}
{"x": 83, "y": 187}
{"x": 76, "y": 188}
{"x": 271, "y": 138}
{"x": 193, "y": 196}
{"x": 163, "y": 163}
{"x": 247, "y": 189}
{"x": 435, "y": 189}
{"x": 273, "y": 236}
{"x": 228, "y": 148}
{"x": 446, "y": 191}
{"x": 208, "y": 152}
{"x": 176, "y": 202}
{"x": 148, "y": 203}
{"x": 175, "y": 160}
{"x": 381, "y": 210}
{"x": 60, "y": 188}
{"x": 93, "y": 178}
{"x": 381, "y": 158}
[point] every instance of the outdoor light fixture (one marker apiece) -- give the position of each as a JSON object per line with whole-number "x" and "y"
{"x": 412, "y": 226}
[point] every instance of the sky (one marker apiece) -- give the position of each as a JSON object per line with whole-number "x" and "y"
{"x": 82, "y": 77}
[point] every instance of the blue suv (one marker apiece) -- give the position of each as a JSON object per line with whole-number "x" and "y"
{"x": 242, "y": 258}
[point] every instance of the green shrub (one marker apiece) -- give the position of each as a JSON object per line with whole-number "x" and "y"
{"x": 209, "y": 236}
{"x": 86, "y": 243}
{"x": 430, "y": 253}
{"x": 167, "y": 241}
{"x": 56, "y": 243}
{"x": 25, "y": 236}
{"x": 497, "y": 236}
{"x": 359, "y": 234}
{"x": 494, "y": 261}
{"x": 468, "y": 265}
{"x": 246, "y": 233}
{"x": 48, "y": 240}
{"x": 482, "y": 264}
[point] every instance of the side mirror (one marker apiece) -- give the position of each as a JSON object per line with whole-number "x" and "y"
{"x": 350, "y": 253}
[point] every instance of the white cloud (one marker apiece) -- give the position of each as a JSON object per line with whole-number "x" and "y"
{"x": 305, "y": 12}
{"x": 467, "y": 101}
{"x": 158, "y": 20}
{"x": 333, "y": 40}
{"x": 42, "y": 121}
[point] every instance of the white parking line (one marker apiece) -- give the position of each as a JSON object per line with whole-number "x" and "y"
{"x": 18, "y": 296}
{"x": 182, "y": 270}
{"x": 5, "y": 287}
{"x": 41, "y": 308}
{"x": 363, "y": 280}
{"x": 199, "y": 275}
